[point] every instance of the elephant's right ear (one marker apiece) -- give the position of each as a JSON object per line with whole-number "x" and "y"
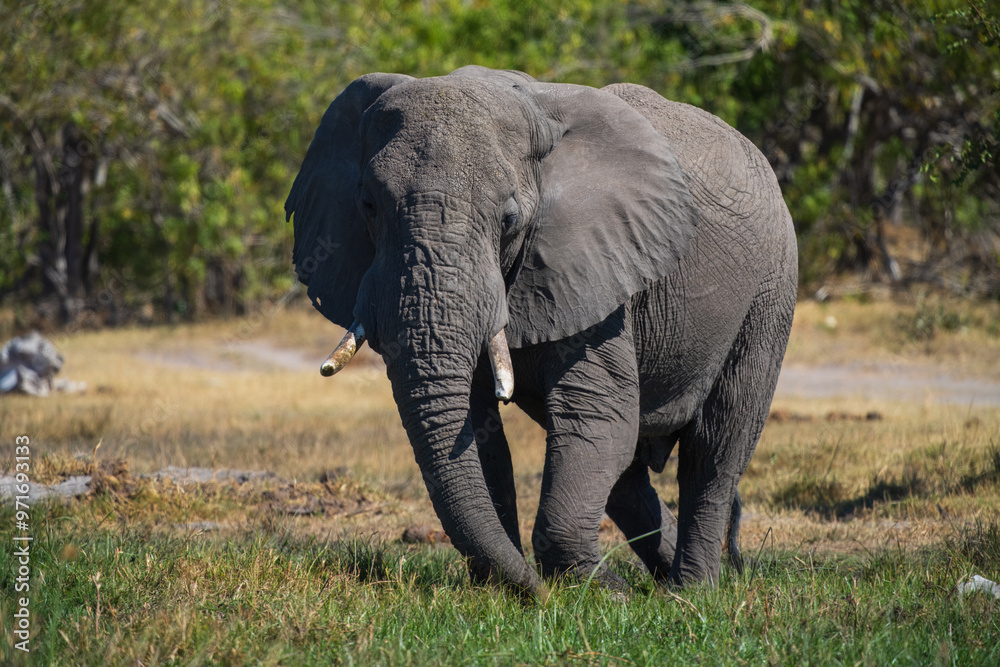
{"x": 332, "y": 249}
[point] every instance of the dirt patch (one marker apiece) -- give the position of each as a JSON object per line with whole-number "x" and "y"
{"x": 780, "y": 416}
{"x": 424, "y": 534}
{"x": 334, "y": 495}
{"x": 886, "y": 381}
{"x": 208, "y": 475}
{"x": 194, "y": 359}
{"x": 251, "y": 356}
{"x": 263, "y": 491}
{"x": 257, "y": 353}
{"x": 315, "y": 500}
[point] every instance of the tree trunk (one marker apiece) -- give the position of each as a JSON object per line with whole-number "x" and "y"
{"x": 61, "y": 199}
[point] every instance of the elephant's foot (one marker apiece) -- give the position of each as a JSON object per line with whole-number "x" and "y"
{"x": 608, "y": 580}
{"x": 601, "y": 576}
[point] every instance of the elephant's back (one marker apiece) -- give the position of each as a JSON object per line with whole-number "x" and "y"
{"x": 725, "y": 171}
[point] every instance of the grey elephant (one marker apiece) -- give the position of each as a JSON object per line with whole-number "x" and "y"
{"x": 622, "y": 267}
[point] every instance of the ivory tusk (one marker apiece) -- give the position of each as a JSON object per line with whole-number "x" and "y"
{"x": 503, "y": 370}
{"x": 342, "y": 356}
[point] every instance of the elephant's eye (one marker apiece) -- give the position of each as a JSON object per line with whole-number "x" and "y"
{"x": 511, "y": 213}
{"x": 366, "y": 203}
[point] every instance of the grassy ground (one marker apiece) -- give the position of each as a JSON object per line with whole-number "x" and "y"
{"x": 861, "y": 515}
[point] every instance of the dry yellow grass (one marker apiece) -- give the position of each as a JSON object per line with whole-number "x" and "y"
{"x": 950, "y": 334}
{"x": 228, "y": 394}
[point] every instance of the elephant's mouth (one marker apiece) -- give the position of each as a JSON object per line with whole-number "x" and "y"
{"x": 503, "y": 369}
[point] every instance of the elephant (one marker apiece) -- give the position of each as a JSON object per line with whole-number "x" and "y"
{"x": 621, "y": 267}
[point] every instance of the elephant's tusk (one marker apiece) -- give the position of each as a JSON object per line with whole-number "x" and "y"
{"x": 503, "y": 370}
{"x": 348, "y": 347}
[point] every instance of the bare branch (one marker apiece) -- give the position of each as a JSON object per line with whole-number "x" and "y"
{"x": 709, "y": 14}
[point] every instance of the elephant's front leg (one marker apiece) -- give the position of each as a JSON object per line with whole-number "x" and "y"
{"x": 592, "y": 415}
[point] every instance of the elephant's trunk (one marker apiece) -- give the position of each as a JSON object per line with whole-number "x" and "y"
{"x": 434, "y": 307}
{"x": 435, "y": 415}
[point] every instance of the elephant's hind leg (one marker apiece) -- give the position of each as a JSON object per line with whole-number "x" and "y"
{"x": 637, "y": 510}
{"x": 715, "y": 449}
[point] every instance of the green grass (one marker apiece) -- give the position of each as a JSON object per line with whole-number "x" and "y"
{"x": 271, "y": 598}
{"x": 859, "y": 528}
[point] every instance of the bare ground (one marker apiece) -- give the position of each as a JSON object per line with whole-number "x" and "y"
{"x": 886, "y": 381}
{"x": 870, "y": 380}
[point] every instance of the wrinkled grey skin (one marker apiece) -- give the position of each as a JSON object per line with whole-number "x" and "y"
{"x": 638, "y": 253}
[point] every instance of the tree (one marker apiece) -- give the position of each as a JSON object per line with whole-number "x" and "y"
{"x": 146, "y": 148}
{"x": 864, "y": 111}
{"x": 146, "y": 144}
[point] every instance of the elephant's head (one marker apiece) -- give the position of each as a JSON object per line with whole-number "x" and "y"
{"x": 438, "y": 213}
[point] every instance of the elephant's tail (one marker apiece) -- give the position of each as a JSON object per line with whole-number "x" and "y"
{"x": 733, "y": 534}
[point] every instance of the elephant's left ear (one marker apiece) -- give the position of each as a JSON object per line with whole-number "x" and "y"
{"x": 615, "y": 215}
{"x": 332, "y": 248}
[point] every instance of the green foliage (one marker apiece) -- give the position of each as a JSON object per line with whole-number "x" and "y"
{"x": 928, "y": 319}
{"x": 862, "y": 110}
{"x": 970, "y": 28}
{"x": 195, "y": 116}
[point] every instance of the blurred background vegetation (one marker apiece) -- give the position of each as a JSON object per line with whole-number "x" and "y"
{"x": 146, "y": 148}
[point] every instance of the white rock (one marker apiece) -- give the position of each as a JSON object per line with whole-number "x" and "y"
{"x": 979, "y": 584}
